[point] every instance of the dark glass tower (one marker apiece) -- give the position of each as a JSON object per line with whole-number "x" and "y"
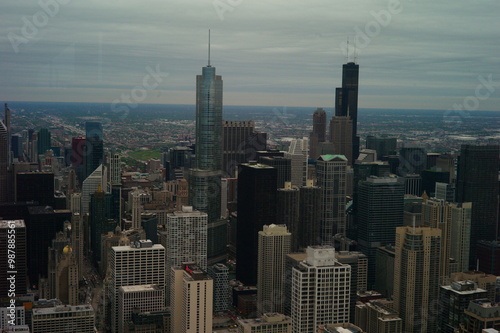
{"x": 346, "y": 101}
{"x": 43, "y": 141}
{"x": 256, "y": 208}
{"x": 380, "y": 211}
{"x": 94, "y": 147}
{"x": 477, "y": 182}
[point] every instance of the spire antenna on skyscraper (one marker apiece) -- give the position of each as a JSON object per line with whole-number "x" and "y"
{"x": 208, "y": 47}
{"x": 347, "y": 52}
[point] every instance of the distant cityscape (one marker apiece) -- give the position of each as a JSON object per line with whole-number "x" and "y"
{"x": 211, "y": 218}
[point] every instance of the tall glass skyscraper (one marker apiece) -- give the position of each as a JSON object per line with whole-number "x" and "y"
{"x": 209, "y": 120}
{"x": 205, "y": 179}
{"x": 94, "y": 147}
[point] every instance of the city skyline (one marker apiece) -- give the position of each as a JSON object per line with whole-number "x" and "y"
{"x": 419, "y": 56}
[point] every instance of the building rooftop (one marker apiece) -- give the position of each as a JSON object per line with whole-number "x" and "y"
{"x": 131, "y": 248}
{"x": 144, "y": 287}
{"x": 62, "y": 308}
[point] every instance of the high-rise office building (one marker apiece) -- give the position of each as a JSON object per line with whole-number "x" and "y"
{"x": 359, "y": 274}
{"x": 94, "y": 147}
{"x": 241, "y": 144}
{"x": 268, "y": 323}
{"x": 384, "y": 146}
{"x": 222, "y": 290}
{"x": 310, "y": 215}
{"x": 191, "y": 299}
{"x": 141, "y": 263}
{"x": 142, "y": 298}
{"x": 43, "y": 140}
{"x": 320, "y": 291}
{"x": 380, "y": 211}
{"x": 35, "y": 186}
{"x": 274, "y": 245}
{"x": 454, "y": 220}
{"x": 114, "y": 167}
{"x": 331, "y": 177}
{"x": 319, "y": 124}
{"x": 186, "y": 238}
{"x": 64, "y": 319}
{"x": 412, "y": 159}
{"x": 319, "y": 132}
{"x": 477, "y": 182}
{"x": 346, "y": 101}
{"x": 298, "y": 153}
{"x": 287, "y": 212}
{"x": 13, "y": 244}
{"x": 445, "y": 191}
{"x": 100, "y": 220}
{"x": 256, "y": 208}
{"x": 378, "y": 316}
{"x": 481, "y": 316}
{"x": 42, "y": 224}
{"x": 90, "y": 185}
{"x": 283, "y": 166}
{"x": 341, "y": 136}
{"x": 453, "y": 300}
{"x": 416, "y": 277}
{"x": 137, "y": 209}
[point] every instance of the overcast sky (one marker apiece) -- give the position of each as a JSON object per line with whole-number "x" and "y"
{"x": 420, "y": 54}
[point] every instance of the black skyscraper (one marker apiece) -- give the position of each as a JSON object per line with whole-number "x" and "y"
{"x": 380, "y": 211}
{"x": 346, "y": 101}
{"x": 256, "y": 208}
{"x": 478, "y": 183}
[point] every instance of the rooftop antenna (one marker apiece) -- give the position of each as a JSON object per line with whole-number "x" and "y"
{"x": 208, "y": 47}
{"x": 355, "y": 54}
{"x": 347, "y": 54}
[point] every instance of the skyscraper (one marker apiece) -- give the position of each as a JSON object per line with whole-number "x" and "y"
{"x": 416, "y": 278}
{"x": 100, "y": 220}
{"x": 298, "y": 153}
{"x": 186, "y": 238}
{"x": 341, "y": 136}
{"x": 310, "y": 215}
{"x": 380, "y": 211}
{"x": 454, "y": 221}
{"x": 274, "y": 245}
{"x": 141, "y": 263}
{"x": 256, "y": 208}
{"x": 331, "y": 177}
{"x": 94, "y": 147}
{"x": 477, "y": 182}
{"x": 319, "y": 132}
{"x": 287, "y": 212}
{"x": 191, "y": 301}
{"x": 205, "y": 179}
{"x": 222, "y": 292}
{"x": 90, "y": 185}
{"x": 320, "y": 291}
{"x": 241, "y": 144}
{"x": 43, "y": 141}
{"x": 346, "y": 101}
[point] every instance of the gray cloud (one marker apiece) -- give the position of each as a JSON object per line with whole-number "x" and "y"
{"x": 272, "y": 53}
